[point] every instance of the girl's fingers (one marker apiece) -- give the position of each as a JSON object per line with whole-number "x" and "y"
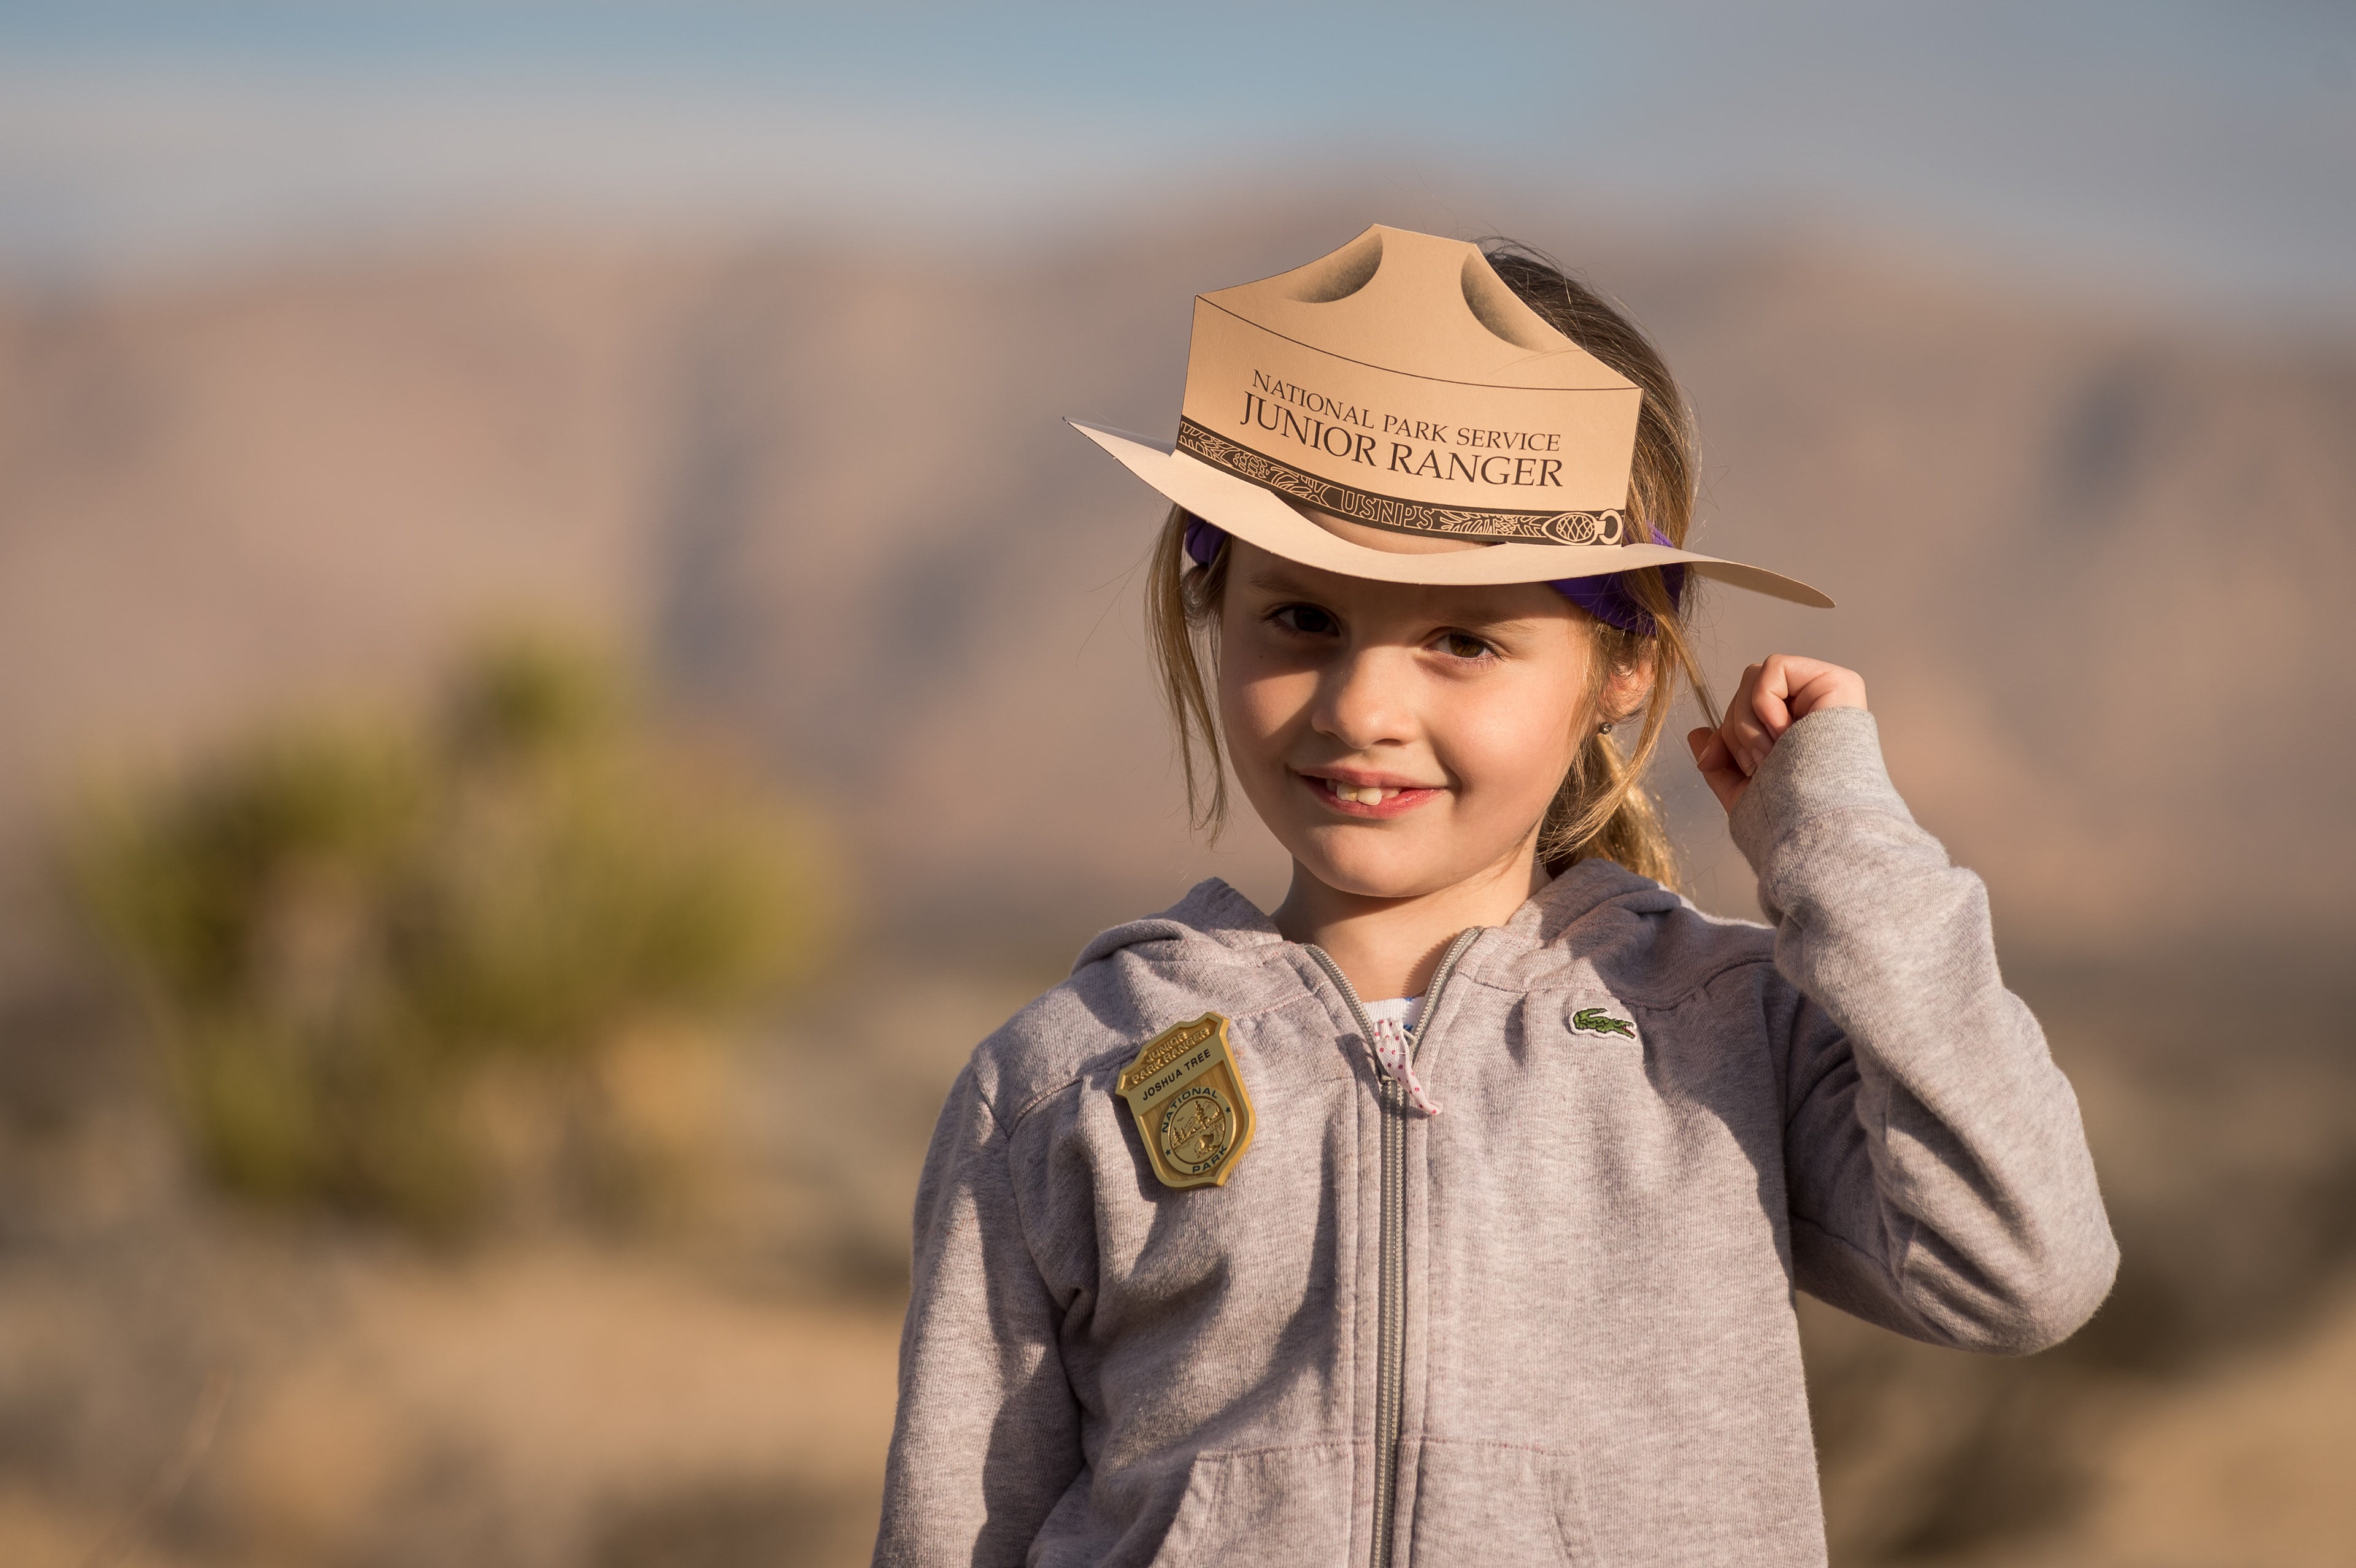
{"x": 1717, "y": 765}
{"x": 1747, "y": 739}
{"x": 1771, "y": 696}
{"x": 1801, "y": 686}
{"x": 1774, "y": 694}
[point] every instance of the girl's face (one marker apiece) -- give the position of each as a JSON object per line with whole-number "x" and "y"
{"x": 1398, "y": 740}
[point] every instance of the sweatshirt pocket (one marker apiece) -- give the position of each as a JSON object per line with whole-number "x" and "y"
{"x": 1264, "y": 1504}
{"x": 1497, "y": 1505}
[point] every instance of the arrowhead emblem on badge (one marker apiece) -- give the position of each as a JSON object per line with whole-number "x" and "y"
{"x": 1189, "y": 1103}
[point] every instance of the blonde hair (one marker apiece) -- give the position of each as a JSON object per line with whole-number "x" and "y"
{"x": 1602, "y": 808}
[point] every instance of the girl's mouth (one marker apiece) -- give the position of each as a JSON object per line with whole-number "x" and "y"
{"x": 1368, "y": 800}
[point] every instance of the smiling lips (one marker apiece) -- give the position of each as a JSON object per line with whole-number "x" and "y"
{"x": 1376, "y": 798}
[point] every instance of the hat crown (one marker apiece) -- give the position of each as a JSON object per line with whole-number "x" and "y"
{"x": 1398, "y": 381}
{"x": 1420, "y": 304}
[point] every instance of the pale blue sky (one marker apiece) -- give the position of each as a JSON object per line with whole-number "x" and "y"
{"x": 2200, "y": 151}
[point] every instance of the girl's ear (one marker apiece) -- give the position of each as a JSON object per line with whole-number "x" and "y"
{"x": 1627, "y": 688}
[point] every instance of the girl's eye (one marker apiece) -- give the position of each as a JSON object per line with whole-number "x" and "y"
{"x": 1306, "y": 619}
{"x": 1459, "y": 645}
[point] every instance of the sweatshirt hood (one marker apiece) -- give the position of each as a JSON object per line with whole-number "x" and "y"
{"x": 1548, "y": 915}
{"x": 1213, "y": 914}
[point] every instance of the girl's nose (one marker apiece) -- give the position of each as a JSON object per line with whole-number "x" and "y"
{"x": 1363, "y": 701}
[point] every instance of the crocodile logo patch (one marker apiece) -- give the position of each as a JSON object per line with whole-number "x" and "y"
{"x": 1595, "y": 1020}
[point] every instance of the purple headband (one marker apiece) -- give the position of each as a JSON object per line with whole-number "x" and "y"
{"x": 1605, "y": 597}
{"x": 1608, "y": 600}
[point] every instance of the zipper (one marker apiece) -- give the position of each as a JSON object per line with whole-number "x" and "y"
{"x": 1390, "y": 1365}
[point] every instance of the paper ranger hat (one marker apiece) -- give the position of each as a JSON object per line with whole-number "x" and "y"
{"x": 1399, "y": 383}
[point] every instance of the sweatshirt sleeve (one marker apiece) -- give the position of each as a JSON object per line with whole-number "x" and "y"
{"x": 987, "y": 1436}
{"x": 1939, "y": 1180}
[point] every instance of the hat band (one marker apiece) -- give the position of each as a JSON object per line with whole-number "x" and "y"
{"x": 1606, "y": 528}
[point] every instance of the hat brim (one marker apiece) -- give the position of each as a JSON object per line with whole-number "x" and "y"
{"x": 1261, "y": 517}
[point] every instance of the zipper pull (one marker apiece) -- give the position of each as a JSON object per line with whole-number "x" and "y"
{"x": 1391, "y": 1050}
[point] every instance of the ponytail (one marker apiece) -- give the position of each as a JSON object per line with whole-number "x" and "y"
{"x": 1603, "y": 808}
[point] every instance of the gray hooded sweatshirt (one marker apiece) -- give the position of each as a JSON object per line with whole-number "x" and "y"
{"x": 1552, "y": 1324}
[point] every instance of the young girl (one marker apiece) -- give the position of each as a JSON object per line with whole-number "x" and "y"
{"x": 1452, "y": 1212}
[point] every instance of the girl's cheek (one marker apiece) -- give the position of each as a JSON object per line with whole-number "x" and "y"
{"x": 1259, "y": 710}
{"x": 1511, "y": 751}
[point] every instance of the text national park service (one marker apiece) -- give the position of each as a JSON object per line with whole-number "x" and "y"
{"x": 1421, "y": 447}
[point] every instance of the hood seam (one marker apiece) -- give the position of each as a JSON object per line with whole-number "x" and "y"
{"x": 1651, "y": 1000}
{"x": 1106, "y": 1058}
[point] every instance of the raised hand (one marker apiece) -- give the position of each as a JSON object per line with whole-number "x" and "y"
{"x": 1774, "y": 692}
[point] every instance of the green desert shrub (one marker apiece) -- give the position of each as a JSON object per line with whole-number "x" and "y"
{"x": 344, "y": 924}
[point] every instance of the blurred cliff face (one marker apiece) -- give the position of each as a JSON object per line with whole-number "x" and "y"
{"x": 2088, "y": 563}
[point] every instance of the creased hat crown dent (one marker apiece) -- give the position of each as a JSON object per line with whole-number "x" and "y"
{"x": 1399, "y": 383}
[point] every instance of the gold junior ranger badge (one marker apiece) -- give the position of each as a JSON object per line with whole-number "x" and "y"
{"x": 1189, "y": 1103}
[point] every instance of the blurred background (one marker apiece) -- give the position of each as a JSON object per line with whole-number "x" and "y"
{"x": 521, "y": 785}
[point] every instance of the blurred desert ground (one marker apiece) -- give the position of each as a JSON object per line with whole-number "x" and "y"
{"x": 2092, "y": 555}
